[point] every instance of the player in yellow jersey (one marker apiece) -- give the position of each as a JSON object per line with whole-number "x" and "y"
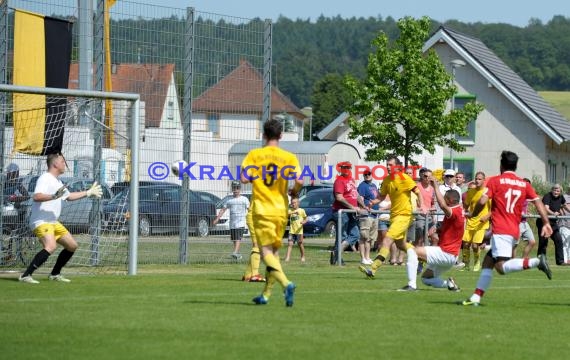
{"x": 269, "y": 169}
{"x": 476, "y": 225}
{"x": 252, "y": 269}
{"x": 399, "y": 186}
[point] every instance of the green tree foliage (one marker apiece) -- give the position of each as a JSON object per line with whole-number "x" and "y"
{"x": 330, "y": 99}
{"x": 401, "y": 105}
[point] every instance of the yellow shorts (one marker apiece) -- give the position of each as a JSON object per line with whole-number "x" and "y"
{"x": 56, "y": 229}
{"x": 269, "y": 230}
{"x": 399, "y": 226}
{"x": 474, "y": 236}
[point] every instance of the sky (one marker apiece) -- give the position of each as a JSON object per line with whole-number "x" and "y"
{"x": 515, "y": 13}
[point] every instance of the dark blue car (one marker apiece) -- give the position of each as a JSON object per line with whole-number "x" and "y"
{"x": 318, "y": 206}
{"x": 159, "y": 210}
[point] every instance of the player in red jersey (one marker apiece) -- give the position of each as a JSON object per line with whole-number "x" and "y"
{"x": 443, "y": 256}
{"x": 507, "y": 193}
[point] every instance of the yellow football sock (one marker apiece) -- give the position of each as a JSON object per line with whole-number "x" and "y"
{"x": 254, "y": 260}
{"x": 466, "y": 256}
{"x": 476, "y": 255}
{"x": 270, "y": 281}
{"x": 275, "y": 270}
{"x": 382, "y": 255}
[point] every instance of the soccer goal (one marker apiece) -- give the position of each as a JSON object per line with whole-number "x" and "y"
{"x": 98, "y": 134}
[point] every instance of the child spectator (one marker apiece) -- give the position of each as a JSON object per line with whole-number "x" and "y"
{"x": 297, "y": 218}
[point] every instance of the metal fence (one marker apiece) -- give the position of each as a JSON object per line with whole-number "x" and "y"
{"x": 205, "y": 86}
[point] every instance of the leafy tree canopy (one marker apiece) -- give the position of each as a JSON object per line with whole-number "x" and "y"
{"x": 401, "y": 105}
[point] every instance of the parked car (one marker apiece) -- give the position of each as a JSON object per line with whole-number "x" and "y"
{"x": 159, "y": 210}
{"x": 206, "y": 196}
{"x": 318, "y": 206}
{"x": 308, "y": 188}
{"x": 74, "y": 214}
{"x": 223, "y": 225}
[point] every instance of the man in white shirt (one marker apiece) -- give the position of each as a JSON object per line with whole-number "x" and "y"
{"x": 238, "y": 206}
{"x": 46, "y": 208}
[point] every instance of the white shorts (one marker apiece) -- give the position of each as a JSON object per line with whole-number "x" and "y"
{"x": 502, "y": 245}
{"x": 438, "y": 260}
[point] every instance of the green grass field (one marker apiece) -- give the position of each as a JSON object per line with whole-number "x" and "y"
{"x": 205, "y": 312}
{"x": 560, "y": 100}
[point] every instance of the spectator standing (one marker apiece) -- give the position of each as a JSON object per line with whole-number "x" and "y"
{"x": 368, "y": 224}
{"x": 345, "y": 197}
{"x": 238, "y": 206}
{"x": 461, "y": 182}
{"x": 554, "y": 203}
{"x": 526, "y": 233}
{"x": 14, "y": 192}
{"x": 297, "y": 218}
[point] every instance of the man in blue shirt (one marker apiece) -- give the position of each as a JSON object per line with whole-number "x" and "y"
{"x": 368, "y": 224}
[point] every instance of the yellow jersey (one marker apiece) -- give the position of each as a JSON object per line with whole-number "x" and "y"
{"x": 399, "y": 187}
{"x": 471, "y": 199}
{"x": 269, "y": 168}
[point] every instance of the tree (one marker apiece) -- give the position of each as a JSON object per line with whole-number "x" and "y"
{"x": 330, "y": 98}
{"x": 401, "y": 105}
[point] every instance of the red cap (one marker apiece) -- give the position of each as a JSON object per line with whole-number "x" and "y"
{"x": 344, "y": 164}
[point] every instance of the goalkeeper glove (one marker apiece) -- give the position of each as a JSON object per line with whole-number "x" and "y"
{"x": 95, "y": 190}
{"x": 59, "y": 193}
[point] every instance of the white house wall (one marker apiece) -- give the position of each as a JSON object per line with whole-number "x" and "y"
{"x": 501, "y": 126}
{"x": 171, "y": 117}
{"x": 232, "y": 126}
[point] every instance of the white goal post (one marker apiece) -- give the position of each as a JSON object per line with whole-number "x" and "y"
{"x": 79, "y": 99}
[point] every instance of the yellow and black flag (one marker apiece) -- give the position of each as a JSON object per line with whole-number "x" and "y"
{"x": 42, "y": 56}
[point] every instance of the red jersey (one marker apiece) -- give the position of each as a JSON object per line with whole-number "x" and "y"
{"x": 508, "y": 193}
{"x": 347, "y": 187}
{"x": 451, "y": 234}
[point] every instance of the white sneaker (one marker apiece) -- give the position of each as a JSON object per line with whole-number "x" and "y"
{"x": 28, "y": 279}
{"x": 59, "y": 278}
{"x": 367, "y": 262}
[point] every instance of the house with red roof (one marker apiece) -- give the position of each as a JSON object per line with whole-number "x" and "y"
{"x": 155, "y": 85}
{"x": 233, "y": 107}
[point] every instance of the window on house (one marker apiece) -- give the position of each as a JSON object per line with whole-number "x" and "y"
{"x": 214, "y": 124}
{"x": 466, "y": 166}
{"x": 459, "y": 102}
{"x": 565, "y": 174}
{"x": 551, "y": 171}
{"x": 170, "y": 110}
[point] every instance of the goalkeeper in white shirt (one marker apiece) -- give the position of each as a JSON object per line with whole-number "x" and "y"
{"x": 46, "y": 208}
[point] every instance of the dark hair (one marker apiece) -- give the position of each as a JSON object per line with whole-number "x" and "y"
{"x": 424, "y": 170}
{"x": 527, "y": 180}
{"x": 272, "y": 129}
{"x": 453, "y": 195}
{"x": 509, "y": 160}
{"x": 394, "y": 157}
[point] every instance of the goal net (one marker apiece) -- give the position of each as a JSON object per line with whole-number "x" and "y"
{"x": 97, "y": 147}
